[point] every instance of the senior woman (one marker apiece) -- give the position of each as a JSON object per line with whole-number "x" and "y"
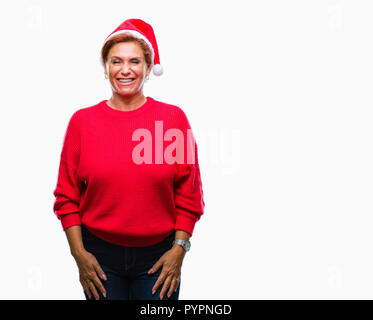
{"x": 128, "y": 194}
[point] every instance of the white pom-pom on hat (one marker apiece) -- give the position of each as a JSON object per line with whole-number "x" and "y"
{"x": 157, "y": 70}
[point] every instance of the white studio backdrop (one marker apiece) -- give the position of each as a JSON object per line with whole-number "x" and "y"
{"x": 279, "y": 96}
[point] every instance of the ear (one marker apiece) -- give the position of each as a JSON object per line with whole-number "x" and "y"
{"x": 106, "y": 67}
{"x": 148, "y": 71}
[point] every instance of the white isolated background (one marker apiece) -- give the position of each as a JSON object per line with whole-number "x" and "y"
{"x": 279, "y": 96}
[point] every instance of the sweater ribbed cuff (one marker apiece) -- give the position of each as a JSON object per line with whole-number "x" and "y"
{"x": 71, "y": 219}
{"x": 185, "y": 223}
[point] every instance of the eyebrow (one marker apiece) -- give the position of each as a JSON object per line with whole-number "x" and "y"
{"x": 116, "y": 57}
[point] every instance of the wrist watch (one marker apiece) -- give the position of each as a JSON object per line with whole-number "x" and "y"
{"x": 184, "y": 243}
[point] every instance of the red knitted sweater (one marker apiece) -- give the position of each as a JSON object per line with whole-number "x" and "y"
{"x": 131, "y": 177}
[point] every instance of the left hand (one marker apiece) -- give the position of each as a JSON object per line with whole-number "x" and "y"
{"x": 171, "y": 262}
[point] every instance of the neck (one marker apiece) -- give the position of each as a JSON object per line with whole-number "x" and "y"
{"x": 127, "y": 103}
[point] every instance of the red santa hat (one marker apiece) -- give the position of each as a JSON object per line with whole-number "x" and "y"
{"x": 142, "y": 30}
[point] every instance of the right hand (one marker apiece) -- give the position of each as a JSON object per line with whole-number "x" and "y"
{"x": 90, "y": 273}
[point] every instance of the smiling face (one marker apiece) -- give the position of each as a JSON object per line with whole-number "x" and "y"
{"x": 126, "y": 69}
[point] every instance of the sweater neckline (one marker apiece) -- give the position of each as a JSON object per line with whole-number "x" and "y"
{"x": 122, "y": 114}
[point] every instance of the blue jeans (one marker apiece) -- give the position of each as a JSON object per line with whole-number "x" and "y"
{"x": 126, "y": 268}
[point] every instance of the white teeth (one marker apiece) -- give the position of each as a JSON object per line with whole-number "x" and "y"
{"x": 125, "y": 80}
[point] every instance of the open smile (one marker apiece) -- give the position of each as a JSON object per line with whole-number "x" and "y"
{"x": 125, "y": 82}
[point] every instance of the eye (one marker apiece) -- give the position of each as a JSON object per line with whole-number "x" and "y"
{"x": 135, "y": 61}
{"x": 115, "y": 62}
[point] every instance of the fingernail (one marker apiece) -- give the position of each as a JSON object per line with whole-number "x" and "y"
{"x": 104, "y": 276}
{"x": 168, "y": 295}
{"x": 150, "y": 271}
{"x": 161, "y": 297}
{"x": 153, "y": 291}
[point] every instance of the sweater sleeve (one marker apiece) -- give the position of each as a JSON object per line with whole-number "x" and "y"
{"x": 189, "y": 201}
{"x": 67, "y": 192}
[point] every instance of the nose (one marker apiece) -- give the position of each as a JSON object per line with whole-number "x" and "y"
{"x": 125, "y": 68}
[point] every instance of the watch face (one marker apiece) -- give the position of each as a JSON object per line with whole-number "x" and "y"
{"x": 184, "y": 243}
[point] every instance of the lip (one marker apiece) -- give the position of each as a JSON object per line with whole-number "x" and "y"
{"x": 125, "y": 84}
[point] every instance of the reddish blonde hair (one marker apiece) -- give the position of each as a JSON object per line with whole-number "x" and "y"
{"x": 125, "y": 37}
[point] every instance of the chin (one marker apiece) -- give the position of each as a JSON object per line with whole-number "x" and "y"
{"x": 127, "y": 93}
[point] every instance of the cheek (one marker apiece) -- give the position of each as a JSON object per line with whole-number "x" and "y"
{"x": 139, "y": 70}
{"x": 112, "y": 73}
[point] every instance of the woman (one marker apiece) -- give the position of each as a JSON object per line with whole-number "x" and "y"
{"x": 128, "y": 208}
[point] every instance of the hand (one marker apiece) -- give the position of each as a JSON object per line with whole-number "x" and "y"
{"x": 171, "y": 262}
{"x": 89, "y": 268}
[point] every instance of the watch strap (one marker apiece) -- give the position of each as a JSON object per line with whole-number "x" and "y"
{"x": 184, "y": 243}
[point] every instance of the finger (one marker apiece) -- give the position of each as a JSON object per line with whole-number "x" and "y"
{"x": 159, "y": 281}
{"x": 177, "y": 282}
{"x": 165, "y": 287}
{"x": 99, "y": 271}
{"x": 155, "y": 267}
{"x": 86, "y": 290}
{"x": 173, "y": 287}
{"x": 97, "y": 282}
{"x": 93, "y": 289}
{"x": 177, "y": 285}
